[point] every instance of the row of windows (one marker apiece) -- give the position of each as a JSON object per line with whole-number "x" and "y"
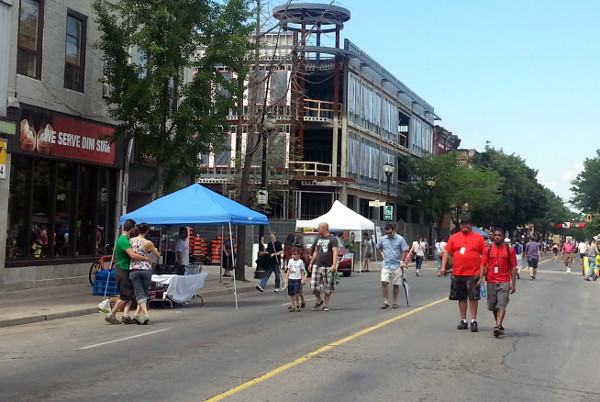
{"x": 29, "y": 54}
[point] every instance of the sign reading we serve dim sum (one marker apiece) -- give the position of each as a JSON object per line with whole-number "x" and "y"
{"x": 56, "y": 135}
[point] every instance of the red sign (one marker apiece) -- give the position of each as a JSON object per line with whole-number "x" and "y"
{"x": 50, "y": 134}
{"x": 567, "y": 225}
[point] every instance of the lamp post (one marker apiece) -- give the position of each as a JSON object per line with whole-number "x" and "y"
{"x": 430, "y": 184}
{"x": 388, "y": 211}
{"x": 388, "y": 169}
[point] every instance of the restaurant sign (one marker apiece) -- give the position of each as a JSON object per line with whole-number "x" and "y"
{"x": 56, "y": 135}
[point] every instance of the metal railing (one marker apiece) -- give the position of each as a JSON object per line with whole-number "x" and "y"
{"x": 310, "y": 168}
{"x": 320, "y": 110}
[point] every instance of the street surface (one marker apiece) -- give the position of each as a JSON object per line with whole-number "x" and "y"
{"x": 356, "y": 351}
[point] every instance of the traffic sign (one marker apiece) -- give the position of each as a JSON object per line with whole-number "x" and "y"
{"x": 377, "y": 203}
{"x": 388, "y": 212}
{"x": 262, "y": 197}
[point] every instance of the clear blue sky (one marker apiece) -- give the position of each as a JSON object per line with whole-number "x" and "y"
{"x": 522, "y": 74}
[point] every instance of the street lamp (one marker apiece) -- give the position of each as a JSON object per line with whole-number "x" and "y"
{"x": 430, "y": 184}
{"x": 388, "y": 169}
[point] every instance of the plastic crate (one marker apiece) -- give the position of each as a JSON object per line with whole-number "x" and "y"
{"x": 100, "y": 283}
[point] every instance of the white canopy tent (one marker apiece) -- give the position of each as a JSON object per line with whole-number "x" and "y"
{"x": 340, "y": 217}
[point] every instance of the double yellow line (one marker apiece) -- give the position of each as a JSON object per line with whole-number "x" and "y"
{"x": 317, "y": 352}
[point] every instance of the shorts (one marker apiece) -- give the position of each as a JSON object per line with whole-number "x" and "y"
{"x": 581, "y": 255}
{"x": 321, "y": 280}
{"x": 391, "y": 276}
{"x": 464, "y": 287}
{"x": 532, "y": 263}
{"x": 497, "y": 295}
{"x": 555, "y": 252}
{"x": 568, "y": 258}
{"x": 368, "y": 255}
{"x": 126, "y": 292}
{"x": 293, "y": 286}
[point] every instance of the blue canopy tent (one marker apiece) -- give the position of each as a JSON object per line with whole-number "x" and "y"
{"x": 196, "y": 205}
{"x": 480, "y": 231}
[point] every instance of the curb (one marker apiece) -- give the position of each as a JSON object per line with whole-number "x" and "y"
{"x": 247, "y": 288}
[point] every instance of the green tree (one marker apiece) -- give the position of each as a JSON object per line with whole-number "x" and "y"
{"x": 521, "y": 199}
{"x": 458, "y": 188}
{"x": 555, "y": 212}
{"x": 586, "y": 186}
{"x": 161, "y": 61}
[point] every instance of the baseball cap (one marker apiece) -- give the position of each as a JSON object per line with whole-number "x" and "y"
{"x": 464, "y": 219}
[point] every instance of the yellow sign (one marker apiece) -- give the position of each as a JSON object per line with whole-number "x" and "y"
{"x": 377, "y": 203}
{"x": 2, "y": 159}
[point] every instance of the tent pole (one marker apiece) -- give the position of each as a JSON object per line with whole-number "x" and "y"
{"x": 233, "y": 261}
{"x": 221, "y": 259}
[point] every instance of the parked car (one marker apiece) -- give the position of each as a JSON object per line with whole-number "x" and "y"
{"x": 305, "y": 242}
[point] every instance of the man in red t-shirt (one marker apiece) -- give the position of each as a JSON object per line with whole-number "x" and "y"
{"x": 466, "y": 248}
{"x": 568, "y": 253}
{"x": 499, "y": 269}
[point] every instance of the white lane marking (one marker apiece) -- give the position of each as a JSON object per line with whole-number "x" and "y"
{"x": 124, "y": 339}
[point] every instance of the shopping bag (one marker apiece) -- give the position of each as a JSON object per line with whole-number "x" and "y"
{"x": 104, "y": 306}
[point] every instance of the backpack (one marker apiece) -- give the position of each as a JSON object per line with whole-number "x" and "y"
{"x": 518, "y": 248}
{"x": 507, "y": 250}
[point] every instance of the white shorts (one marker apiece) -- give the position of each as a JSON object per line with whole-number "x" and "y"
{"x": 392, "y": 276}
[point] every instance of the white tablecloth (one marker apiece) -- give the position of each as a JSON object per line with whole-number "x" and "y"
{"x": 181, "y": 288}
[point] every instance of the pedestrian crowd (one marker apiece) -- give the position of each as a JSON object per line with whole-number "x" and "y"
{"x": 476, "y": 268}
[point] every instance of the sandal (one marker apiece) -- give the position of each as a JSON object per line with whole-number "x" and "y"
{"x": 318, "y": 304}
{"x": 384, "y": 306}
{"x": 497, "y": 331}
{"x": 394, "y": 305}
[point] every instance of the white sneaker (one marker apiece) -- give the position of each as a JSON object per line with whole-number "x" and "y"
{"x": 568, "y": 270}
{"x": 276, "y": 290}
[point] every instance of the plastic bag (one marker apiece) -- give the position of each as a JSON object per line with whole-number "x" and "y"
{"x": 104, "y": 306}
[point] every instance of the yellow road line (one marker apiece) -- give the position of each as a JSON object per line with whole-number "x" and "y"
{"x": 310, "y": 355}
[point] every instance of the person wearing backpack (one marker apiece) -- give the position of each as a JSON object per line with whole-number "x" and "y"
{"x": 499, "y": 270}
{"x": 519, "y": 253}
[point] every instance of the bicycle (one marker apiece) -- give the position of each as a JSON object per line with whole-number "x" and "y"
{"x": 99, "y": 266}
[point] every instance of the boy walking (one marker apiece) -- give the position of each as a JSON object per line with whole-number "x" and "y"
{"x": 295, "y": 278}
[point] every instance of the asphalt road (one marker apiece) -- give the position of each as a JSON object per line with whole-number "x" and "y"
{"x": 356, "y": 351}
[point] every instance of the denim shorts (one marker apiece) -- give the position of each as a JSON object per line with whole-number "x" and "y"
{"x": 532, "y": 262}
{"x": 141, "y": 280}
{"x": 294, "y": 286}
{"x": 464, "y": 287}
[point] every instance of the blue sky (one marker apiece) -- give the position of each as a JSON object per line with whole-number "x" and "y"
{"x": 520, "y": 74}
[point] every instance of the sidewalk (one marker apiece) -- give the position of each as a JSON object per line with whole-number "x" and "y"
{"x": 53, "y": 302}
{"x": 26, "y": 306}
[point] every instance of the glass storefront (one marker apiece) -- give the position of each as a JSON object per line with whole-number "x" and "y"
{"x": 59, "y": 209}
{"x": 63, "y": 189}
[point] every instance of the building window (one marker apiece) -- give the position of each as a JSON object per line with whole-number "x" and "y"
{"x": 59, "y": 210}
{"x": 74, "y": 52}
{"x": 31, "y": 22}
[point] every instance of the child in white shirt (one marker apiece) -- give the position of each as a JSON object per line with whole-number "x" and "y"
{"x": 295, "y": 278}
